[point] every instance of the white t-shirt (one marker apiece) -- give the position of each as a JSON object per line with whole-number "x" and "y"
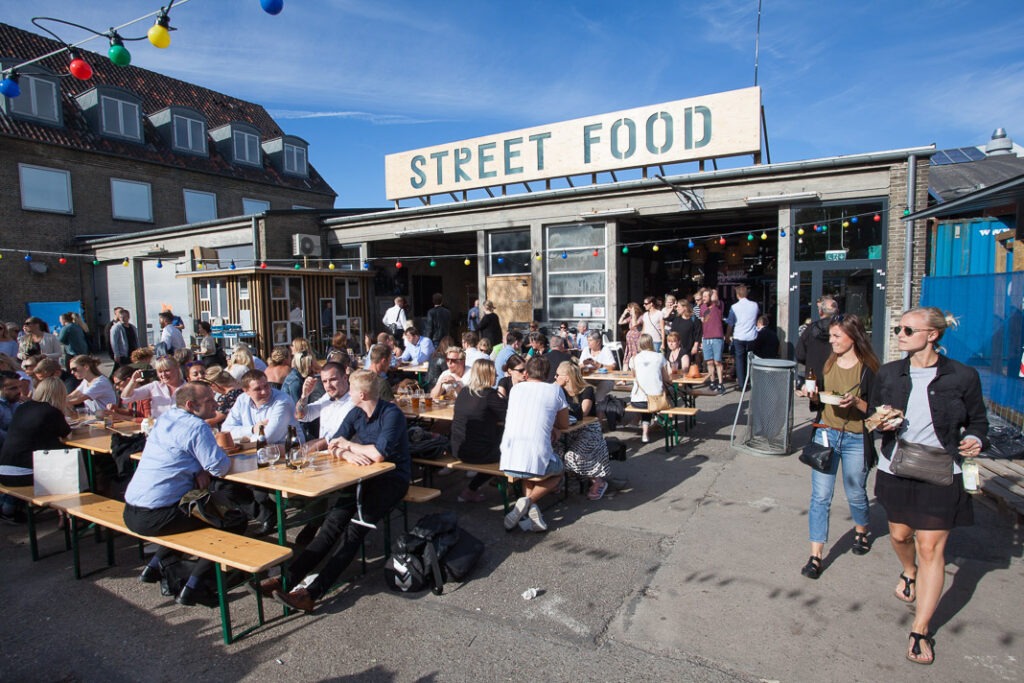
{"x": 603, "y": 357}
{"x": 652, "y": 325}
{"x": 526, "y": 442}
{"x": 473, "y": 355}
{"x": 647, "y": 368}
{"x": 99, "y": 393}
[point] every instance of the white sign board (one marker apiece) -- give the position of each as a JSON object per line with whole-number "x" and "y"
{"x": 719, "y": 125}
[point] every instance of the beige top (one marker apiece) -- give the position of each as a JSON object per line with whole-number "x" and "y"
{"x": 840, "y": 380}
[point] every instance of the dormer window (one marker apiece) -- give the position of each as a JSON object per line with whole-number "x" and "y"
{"x": 294, "y": 159}
{"x": 39, "y": 99}
{"x": 189, "y": 134}
{"x": 289, "y": 155}
{"x": 247, "y": 147}
{"x": 113, "y": 112}
{"x": 239, "y": 143}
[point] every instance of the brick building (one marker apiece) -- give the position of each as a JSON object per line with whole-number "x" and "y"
{"x": 127, "y": 151}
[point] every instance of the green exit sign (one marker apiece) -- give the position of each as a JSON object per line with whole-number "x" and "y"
{"x": 835, "y": 255}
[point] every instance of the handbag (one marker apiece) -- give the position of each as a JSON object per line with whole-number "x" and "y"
{"x": 215, "y": 508}
{"x": 657, "y": 402}
{"x": 817, "y": 456}
{"x": 930, "y": 464}
{"x": 58, "y": 471}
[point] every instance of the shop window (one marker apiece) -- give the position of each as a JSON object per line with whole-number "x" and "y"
{"x": 839, "y": 232}
{"x": 576, "y": 278}
{"x": 509, "y": 252}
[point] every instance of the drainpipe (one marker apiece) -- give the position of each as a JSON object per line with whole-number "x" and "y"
{"x": 908, "y": 246}
{"x": 255, "y": 243}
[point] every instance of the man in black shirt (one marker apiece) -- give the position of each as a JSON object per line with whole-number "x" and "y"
{"x": 439, "y": 321}
{"x": 556, "y": 355}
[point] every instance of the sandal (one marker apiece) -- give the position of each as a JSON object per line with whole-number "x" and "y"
{"x": 907, "y": 594}
{"x": 860, "y": 543}
{"x": 915, "y": 651}
{"x": 597, "y": 491}
{"x": 812, "y": 570}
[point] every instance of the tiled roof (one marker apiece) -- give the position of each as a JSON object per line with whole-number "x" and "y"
{"x": 157, "y": 93}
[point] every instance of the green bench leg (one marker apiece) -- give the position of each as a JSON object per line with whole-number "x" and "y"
{"x": 33, "y": 543}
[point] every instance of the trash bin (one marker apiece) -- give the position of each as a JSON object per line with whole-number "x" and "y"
{"x": 769, "y": 427}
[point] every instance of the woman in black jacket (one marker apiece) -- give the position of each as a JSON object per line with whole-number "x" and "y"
{"x": 476, "y": 436}
{"x": 489, "y": 327}
{"x": 38, "y": 424}
{"x": 943, "y": 407}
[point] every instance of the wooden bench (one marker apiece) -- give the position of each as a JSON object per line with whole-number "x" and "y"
{"x": 27, "y": 495}
{"x": 224, "y": 549}
{"x": 1003, "y": 482}
{"x": 452, "y": 463}
{"x": 669, "y": 420}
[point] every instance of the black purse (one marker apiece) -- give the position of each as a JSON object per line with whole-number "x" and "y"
{"x": 817, "y": 456}
{"x": 929, "y": 464}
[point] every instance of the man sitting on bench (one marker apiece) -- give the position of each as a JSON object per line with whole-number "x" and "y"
{"x": 181, "y": 454}
{"x": 374, "y": 431}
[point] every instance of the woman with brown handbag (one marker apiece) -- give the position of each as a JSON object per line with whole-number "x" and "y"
{"x": 943, "y": 408}
{"x": 650, "y": 377}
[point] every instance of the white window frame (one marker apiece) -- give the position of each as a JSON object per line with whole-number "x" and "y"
{"x": 28, "y": 173}
{"x": 197, "y": 194}
{"x": 126, "y": 111}
{"x": 292, "y": 162}
{"x": 248, "y": 209}
{"x": 250, "y": 147}
{"x": 195, "y": 131}
{"x": 243, "y": 288}
{"x": 130, "y": 185}
{"x": 31, "y": 96}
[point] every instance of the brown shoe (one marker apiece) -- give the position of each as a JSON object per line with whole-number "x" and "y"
{"x": 266, "y": 586}
{"x": 299, "y": 599}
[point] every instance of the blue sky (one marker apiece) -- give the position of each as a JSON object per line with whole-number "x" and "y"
{"x": 360, "y": 79}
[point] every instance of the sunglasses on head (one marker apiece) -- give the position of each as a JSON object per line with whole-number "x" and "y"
{"x": 910, "y": 331}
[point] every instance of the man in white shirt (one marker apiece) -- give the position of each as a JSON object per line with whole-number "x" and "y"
{"x": 742, "y": 328}
{"x": 331, "y": 408}
{"x": 170, "y": 335}
{"x": 473, "y": 354}
{"x": 394, "y": 318}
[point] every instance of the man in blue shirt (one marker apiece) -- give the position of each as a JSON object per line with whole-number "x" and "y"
{"x": 374, "y": 431}
{"x": 274, "y": 410}
{"x": 742, "y": 328}
{"x": 181, "y": 454}
{"x": 513, "y": 342}
{"x": 418, "y": 349}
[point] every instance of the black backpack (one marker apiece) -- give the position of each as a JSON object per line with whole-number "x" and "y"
{"x": 616, "y": 448}
{"x": 435, "y": 551}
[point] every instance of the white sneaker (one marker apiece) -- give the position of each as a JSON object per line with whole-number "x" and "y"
{"x": 517, "y": 512}
{"x": 538, "y": 520}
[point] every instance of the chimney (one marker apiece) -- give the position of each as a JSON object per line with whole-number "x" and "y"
{"x": 999, "y": 145}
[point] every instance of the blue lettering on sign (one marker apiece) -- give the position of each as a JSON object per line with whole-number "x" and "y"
{"x": 438, "y": 157}
{"x": 589, "y": 139}
{"x": 419, "y": 178}
{"x": 539, "y": 138}
{"x": 511, "y": 154}
{"x": 483, "y": 158}
{"x": 631, "y": 137}
{"x": 462, "y": 157}
{"x": 651, "y": 120}
{"x": 705, "y": 114}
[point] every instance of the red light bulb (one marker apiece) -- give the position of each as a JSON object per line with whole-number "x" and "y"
{"x": 80, "y": 69}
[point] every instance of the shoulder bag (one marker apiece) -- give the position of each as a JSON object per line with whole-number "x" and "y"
{"x": 930, "y": 464}
{"x": 815, "y": 455}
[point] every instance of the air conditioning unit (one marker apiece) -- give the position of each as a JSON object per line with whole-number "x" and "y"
{"x": 306, "y": 245}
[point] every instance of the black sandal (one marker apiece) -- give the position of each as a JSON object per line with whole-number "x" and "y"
{"x": 860, "y": 543}
{"x": 915, "y": 651}
{"x": 812, "y": 569}
{"x": 905, "y": 594}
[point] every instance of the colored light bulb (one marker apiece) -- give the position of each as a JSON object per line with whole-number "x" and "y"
{"x": 564, "y": 254}
{"x": 689, "y": 244}
{"x": 466, "y": 262}
{"x": 398, "y": 264}
{"x": 158, "y": 34}
{"x": 9, "y": 86}
{"x": 877, "y": 218}
{"x": 263, "y": 265}
{"x": 79, "y": 68}
{"x": 159, "y": 263}
{"x": 272, "y": 6}
{"x": 434, "y": 263}
{"x": 118, "y": 54}
{"x": 625, "y": 249}
{"x": 764, "y": 235}
{"x": 330, "y": 266}
{"x": 62, "y": 260}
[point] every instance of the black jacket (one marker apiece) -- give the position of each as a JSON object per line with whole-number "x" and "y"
{"x": 438, "y": 324}
{"x": 813, "y": 349}
{"x": 954, "y": 398}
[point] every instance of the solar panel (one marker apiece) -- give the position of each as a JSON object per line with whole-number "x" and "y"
{"x": 957, "y": 155}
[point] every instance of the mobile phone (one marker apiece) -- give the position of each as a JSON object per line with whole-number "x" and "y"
{"x": 149, "y": 375}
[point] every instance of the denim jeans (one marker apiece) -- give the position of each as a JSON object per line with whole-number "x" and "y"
{"x": 848, "y": 448}
{"x": 739, "y": 352}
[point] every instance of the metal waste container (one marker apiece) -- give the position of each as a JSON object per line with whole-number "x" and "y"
{"x": 769, "y": 427}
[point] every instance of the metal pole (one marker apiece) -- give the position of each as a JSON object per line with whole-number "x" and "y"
{"x": 757, "y": 41}
{"x": 908, "y": 241}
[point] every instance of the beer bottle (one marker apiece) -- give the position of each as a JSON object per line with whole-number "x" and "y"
{"x": 291, "y": 443}
{"x": 261, "y": 439}
{"x": 811, "y": 382}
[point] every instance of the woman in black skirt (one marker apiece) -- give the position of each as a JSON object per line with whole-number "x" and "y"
{"x": 943, "y": 407}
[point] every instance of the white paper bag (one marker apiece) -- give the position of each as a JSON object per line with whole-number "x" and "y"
{"x": 59, "y": 471}
{"x": 243, "y": 463}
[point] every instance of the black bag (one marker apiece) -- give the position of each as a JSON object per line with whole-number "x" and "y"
{"x": 817, "y": 456}
{"x": 616, "y": 448}
{"x": 121, "y": 449}
{"x": 435, "y": 551}
{"x": 613, "y": 408}
{"x": 1005, "y": 443}
{"x": 215, "y": 507}
{"x": 930, "y": 464}
{"x": 427, "y": 445}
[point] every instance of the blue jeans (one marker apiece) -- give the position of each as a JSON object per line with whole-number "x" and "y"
{"x": 849, "y": 449}
{"x": 739, "y": 352}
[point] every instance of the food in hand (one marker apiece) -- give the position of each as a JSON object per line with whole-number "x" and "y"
{"x": 884, "y": 416}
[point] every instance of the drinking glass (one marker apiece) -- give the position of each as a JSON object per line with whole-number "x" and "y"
{"x": 273, "y": 455}
{"x": 308, "y": 455}
{"x": 297, "y": 458}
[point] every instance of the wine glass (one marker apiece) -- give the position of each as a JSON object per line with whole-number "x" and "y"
{"x": 273, "y": 455}
{"x": 308, "y": 455}
{"x": 297, "y": 458}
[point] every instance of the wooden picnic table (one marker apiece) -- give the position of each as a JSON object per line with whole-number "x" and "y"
{"x": 439, "y": 410}
{"x": 328, "y": 475}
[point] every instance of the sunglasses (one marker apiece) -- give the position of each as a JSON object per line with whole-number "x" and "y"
{"x": 517, "y": 369}
{"x": 452, "y": 360}
{"x": 910, "y": 331}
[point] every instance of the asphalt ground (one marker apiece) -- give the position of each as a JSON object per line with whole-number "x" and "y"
{"x": 690, "y": 574}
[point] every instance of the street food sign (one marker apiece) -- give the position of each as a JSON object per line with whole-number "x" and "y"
{"x": 713, "y": 126}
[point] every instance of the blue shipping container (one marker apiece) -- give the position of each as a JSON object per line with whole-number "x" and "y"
{"x": 966, "y": 247}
